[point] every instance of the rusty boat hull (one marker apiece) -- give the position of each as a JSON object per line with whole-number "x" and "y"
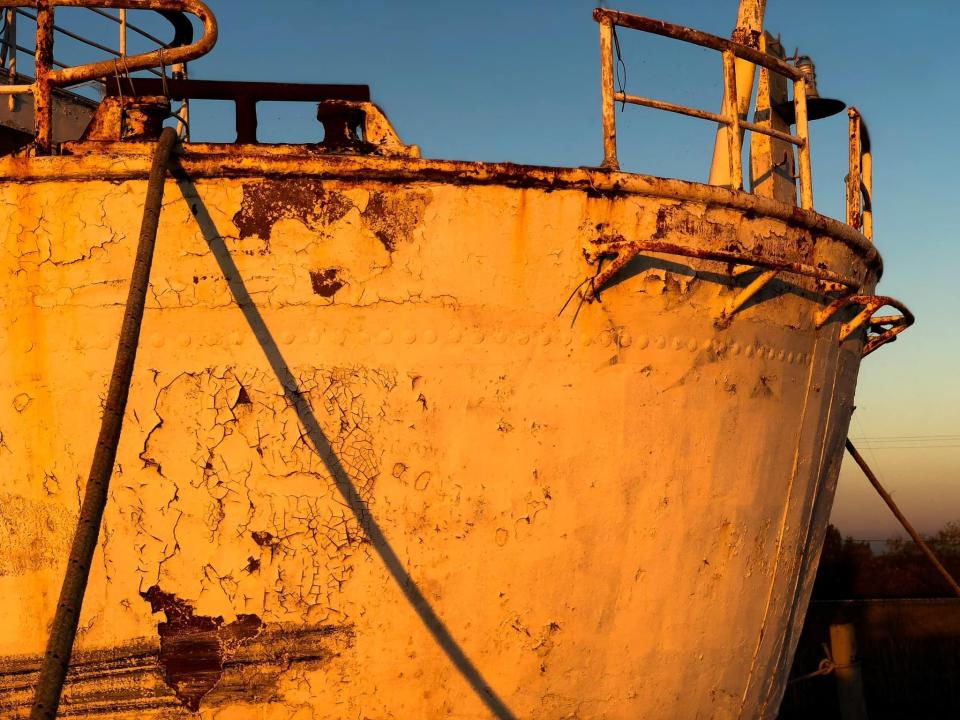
{"x": 376, "y": 465}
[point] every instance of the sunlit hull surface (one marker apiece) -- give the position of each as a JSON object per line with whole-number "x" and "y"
{"x": 369, "y": 469}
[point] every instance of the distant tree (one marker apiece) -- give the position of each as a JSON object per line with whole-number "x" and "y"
{"x": 850, "y": 569}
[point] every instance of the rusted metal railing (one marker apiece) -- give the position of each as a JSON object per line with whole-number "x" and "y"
{"x": 880, "y": 329}
{"x": 730, "y": 117}
{"x": 48, "y": 75}
{"x": 860, "y": 176}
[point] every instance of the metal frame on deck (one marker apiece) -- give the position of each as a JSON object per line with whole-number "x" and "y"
{"x": 730, "y": 117}
{"x": 859, "y": 190}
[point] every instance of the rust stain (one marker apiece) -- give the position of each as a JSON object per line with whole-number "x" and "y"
{"x": 252, "y": 670}
{"x": 267, "y": 202}
{"x": 193, "y": 647}
{"x": 326, "y": 282}
{"x": 393, "y": 217}
{"x": 679, "y": 220}
{"x": 390, "y": 216}
{"x": 263, "y": 538}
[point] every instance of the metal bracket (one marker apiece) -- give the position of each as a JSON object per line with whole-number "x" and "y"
{"x": 621, "y": 251}
{"x": 885, "y": 328}
{"x": 741, "y": 298}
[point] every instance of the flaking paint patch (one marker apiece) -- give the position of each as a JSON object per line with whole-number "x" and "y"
{"x": 193, "y": 647}
{"x": 234, "y": 468}
{"x": 391, "y": 216}
{"x": 326, "y": 282}
{"x": 265, "y": 203}
{"x": 38, "y": 530}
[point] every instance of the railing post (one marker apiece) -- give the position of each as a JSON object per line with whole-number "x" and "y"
{"x": 43, "y": 94}
{"x": 606, "y": 89}
{"x": 803, "y": 132}
{"x": 246, "y": 114}
{"x": 12, "y": 48}
{"x": 867, "y": 174}
{"x": 749, "y": 25}
{"x": 853, "y": 174}
{"x": 843, "y": 650}
{"x": 731, "y": 110}
{"x": 123, "y": 32}
{"x": 9, "y": 15}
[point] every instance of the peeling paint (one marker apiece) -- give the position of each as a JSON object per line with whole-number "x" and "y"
{"x": 326, "y": 282}
{"x": 33, "y": 534}
{"x": 269, "y": 201}
{"x": 193, "y": 648}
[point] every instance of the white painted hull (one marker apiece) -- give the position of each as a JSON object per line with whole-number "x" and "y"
{"x": 438, "y": 496}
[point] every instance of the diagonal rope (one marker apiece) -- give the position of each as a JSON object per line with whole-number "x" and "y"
{"x": 63, "y": 632}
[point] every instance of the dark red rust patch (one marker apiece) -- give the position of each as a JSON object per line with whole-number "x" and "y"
{"x": 390, "y": 216}
{"x": 194, "y": 647}
{"x": 267, "y": 202}
{"x": 393, "y": 217}
{"x": 326, "y": 282}
{"x": 263, "y": 538}
{"x": 677, "y": 220}
{"x": 243, "y": 397}
{"x": 745, "y": 36}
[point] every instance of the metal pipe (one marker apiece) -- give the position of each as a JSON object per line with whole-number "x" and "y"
{"x": 63, "y": 632}
{"x": 854, "y": 163}
{"x": 867, "y": 173}
{"x": 697, "y": 37}
{"x": 123, "y": 32}
{"x": 626, "y": 250}
{"x": 944, "y": 573}
{"x": 746, "y": 34}
{"x": 764, "y": 130}
{"x": 846, "y": 669}
{"x": 608, "y": 104}
{"x": 43, "y": 87}
{"x": 803, "y": 132}
{"x": 670, "y": 107}
{"x": 12, "y": 67}
{"x": 733, "y": 169}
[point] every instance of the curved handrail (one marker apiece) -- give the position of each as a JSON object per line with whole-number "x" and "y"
{"x": 48, "y": 78}
{"x": 182, "y": 28}
{"x": 887, "y": 326}
{"x": 156, "y": 58}
{"x": 182, "y": 34}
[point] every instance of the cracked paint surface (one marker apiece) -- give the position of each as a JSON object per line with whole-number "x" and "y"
{"x": 244, "y": 479}
{"x": 533, "y": 476}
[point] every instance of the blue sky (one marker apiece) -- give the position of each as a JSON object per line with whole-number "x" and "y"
{"x": 514, "y": 80}
{"x": 518, "y": 80}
